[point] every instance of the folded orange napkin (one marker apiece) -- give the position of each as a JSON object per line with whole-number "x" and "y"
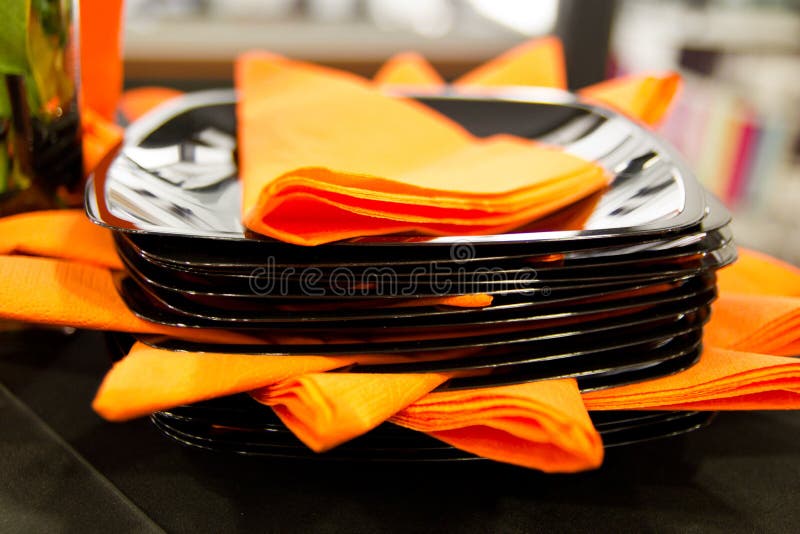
{"x": 759, "y": 306}
{"x": 539, "y": 62}
{"x": 65, "y": 234}
{"x": 150, "y": 379}
{"x": 722, "y": 380}
{"x": 755, "y": 323}
{"x": 643, "y": 97}
{"x": 755, "y": 273}
{"x": 80, "y": 295}
{"x": 542, "y": 425}
{"x": 327, "y": 409}
{"x": 425, "y": 173}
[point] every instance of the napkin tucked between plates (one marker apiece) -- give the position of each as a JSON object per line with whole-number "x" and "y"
{"x": 543, "y": 425}
{"x": 758, "y": 309}
{"x": 333, "y": 156}
{"x": 722, "y": 380}
{"x": 150, "y": 379}
{"x": 758, "y": 274}
{"x": 766, "y": 324}
{"x": 64, "y": 234}
{"x": 327, "y": 409}
{"x": 80, "y": 295}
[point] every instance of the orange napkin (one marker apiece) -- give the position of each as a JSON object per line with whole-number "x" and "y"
{"x": 136, "y": 102}
{"x": 327, "y": 409}
{"x": 722, "y": 380}
{"x": 408, "y": 68}
{"x": 643, "y": 97}
{"x": 65, "y": 234}
{"x": 100, "y": 139}
{"x": 150, "y": 379}
{"x": 759, "y": 306}
{"x": 755, "y": 323}
{"x": 755, "y": 273}
{"x": 539, "y": 63}
{"x": 80, "y": 295}
{"x": 360, "y": 180}
{"x": 542, "y": 425}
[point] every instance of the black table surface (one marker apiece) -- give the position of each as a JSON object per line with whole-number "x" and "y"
{"x": 63, "y": 469}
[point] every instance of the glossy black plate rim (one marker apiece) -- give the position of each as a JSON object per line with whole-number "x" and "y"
{"x": 594, "y": 375}
{"x": 688, "y": 422}
{"x": 486, "y": 340}
{"x": 143, "y": 305}
{"x": 693, "y": 211}
{"x": 712, "y": 261}
{"x": 510, "y": 265}
{"x": 176, "y": 304}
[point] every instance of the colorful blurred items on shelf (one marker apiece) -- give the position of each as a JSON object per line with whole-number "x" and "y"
{"x": 736, "y": 148}
{"x": 39, "y": 118}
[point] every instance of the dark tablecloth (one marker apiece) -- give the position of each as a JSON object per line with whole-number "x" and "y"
{"x": 63, "y": 469}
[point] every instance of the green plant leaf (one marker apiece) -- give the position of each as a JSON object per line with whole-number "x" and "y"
{"x": 13, "y": 36}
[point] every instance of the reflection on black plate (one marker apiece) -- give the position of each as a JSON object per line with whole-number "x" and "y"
{"x": 239, "y": 425}
{"x": 151, "y": 308}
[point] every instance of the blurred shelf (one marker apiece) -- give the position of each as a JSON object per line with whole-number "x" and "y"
{"x": 205, "y": 49}
{"x": 746, "y": 29}
{"x": 212, "y": 40}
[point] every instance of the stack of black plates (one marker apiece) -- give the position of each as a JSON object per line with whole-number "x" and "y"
{"x": 612, "y": 290}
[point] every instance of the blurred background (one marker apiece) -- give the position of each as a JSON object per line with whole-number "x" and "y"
{"x": 737, "y": 120}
